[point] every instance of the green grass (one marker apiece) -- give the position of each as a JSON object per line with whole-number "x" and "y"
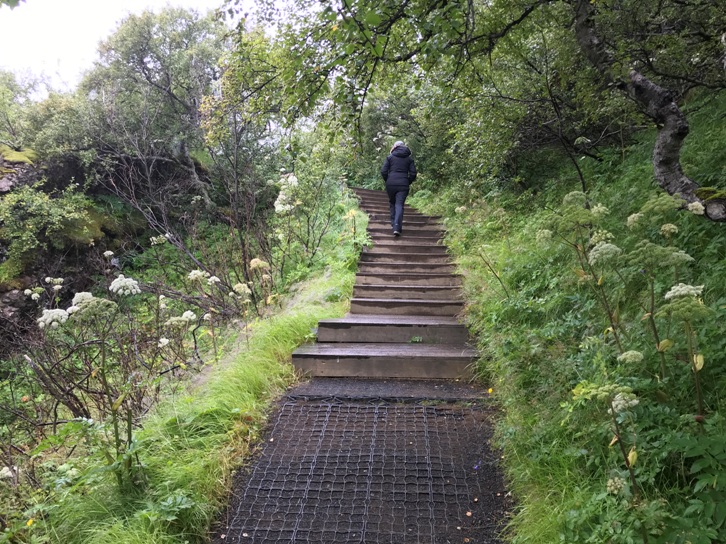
{"x": 542, "y": 331}
{"x": 193, "y": 443}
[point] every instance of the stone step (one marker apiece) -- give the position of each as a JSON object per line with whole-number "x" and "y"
{"x": 407, "y": 268}
{"x": 374, "y": 360}
{"x": 408, "y": 292}
{"x": 405, "y": 306}
{"x": 393, "y": 256}
{"x": 396, "y": 329}
{"x": 409, "y": 278}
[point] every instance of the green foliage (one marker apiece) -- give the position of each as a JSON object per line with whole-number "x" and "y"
{"x": 32, "y": 220}
{"x": 599, "y": 318}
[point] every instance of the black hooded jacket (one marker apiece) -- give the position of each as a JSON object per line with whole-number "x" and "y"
{"x": 399, "y": 170}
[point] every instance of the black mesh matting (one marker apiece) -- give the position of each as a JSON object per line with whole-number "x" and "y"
{"x": 375, "y": 472}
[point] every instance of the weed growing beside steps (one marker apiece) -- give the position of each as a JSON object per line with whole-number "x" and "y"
{"x": 601, "y": 320}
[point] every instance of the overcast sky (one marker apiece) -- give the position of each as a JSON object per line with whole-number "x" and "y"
{"x": 59, "y": 38}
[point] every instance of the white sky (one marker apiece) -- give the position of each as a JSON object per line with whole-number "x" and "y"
{"x": 58, "y": 38}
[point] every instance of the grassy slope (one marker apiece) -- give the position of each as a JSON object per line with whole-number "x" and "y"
{"x": 543, "y": 332}
{"x": 192, "y": 443}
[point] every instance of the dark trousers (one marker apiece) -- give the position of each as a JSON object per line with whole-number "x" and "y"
{"x": 396, "y": 199}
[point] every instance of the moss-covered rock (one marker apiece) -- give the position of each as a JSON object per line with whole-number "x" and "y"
{"x": 25, "y": 156}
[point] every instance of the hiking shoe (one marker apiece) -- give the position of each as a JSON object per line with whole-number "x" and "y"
{"x": 396, "y": 233}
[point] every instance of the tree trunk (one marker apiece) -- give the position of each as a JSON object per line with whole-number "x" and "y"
{"x": 658, "y": 104}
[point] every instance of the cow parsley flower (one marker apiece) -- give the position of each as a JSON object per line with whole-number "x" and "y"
{"x": 684, "y": 290}
{"x": 35, "y": 296}
{"x": 108, "y": 254}
{"x": 158, "y": 240}
{"x": 633, "y": 219}
{"x": 124, "y": 286}
{"x": 242, "y": 289}
{"x": 213, "y": 280}
{"x": 697, "y": 208}
{"x": 615, "y": 485}
{"x": 186, "y": 319}
{"x": 603, "y": 252}
{"x": 631, "y": 356}
{"x": 598, "y": 210}
{"x": 198, "y": 275}
{"x": 543, "y": 235}
{"x": 81, "y": 298}
{"x": 52, "y": 318}
{"x": 258, "y": 264}
{"x": 600, "y": 235}
{"x": 163, "y": 342}
{"x": 668, "y": 230}
{"x": 623, "y": 402}
{"x": 27, "y": 292}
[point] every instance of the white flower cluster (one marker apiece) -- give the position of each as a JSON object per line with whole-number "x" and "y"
{"x": 668, "y": 230}
{"x": 54, "y": 281}
{"x": 186, "y": 319}
{"x": 633, "y": 219}
{"x": 79, "y": 300}
{"x": 258, "y": 264}
{"x": 163, "y": 342}
{"x": 631, "y": 356}
{"x": 603, "y": 252}
{"x": 697, "y": 208}
{"x": 600, "y": 235}
{"x": 615, "y": 485}
{"x": 460, "y": 210}
{"x": 598, "y": 210}
{"x": 213, "y": 280}
{"x": 198, "y": 275}
{"x": 684, "y": 290}
{"x": 124, "y": 286}
{"x": 6, "y": 473}
{"x": 285, "y": 200}
{"x": 34, "y": 294}
{"x": 622, "y": 402}
{"x": 52, "y": 318}
{"x": 242, "y": 289}
{"x": 162, "y": 304}
{"x": 157, "y": 240}
{"x": 108, "y": 254}
{"x": 543, "y": 235}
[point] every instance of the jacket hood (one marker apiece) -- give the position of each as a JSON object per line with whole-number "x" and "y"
{"x": 401, "y": 151}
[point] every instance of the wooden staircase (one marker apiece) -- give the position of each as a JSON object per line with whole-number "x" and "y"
{"x": 403, "y": 314}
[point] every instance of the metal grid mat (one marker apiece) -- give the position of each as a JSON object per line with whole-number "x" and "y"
{"x": 375, "y": 472}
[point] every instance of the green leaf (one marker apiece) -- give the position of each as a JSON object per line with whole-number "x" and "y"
{"x": 373, "y": 18}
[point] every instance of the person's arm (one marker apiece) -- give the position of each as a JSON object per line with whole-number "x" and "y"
{"x": 411, "y": 171}
{"x": 385, "y": 168}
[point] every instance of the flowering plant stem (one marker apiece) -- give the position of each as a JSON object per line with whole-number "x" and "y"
{"x": 690, "y": 334}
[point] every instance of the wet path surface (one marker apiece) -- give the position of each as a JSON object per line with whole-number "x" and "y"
{"x": 372, "y": 461}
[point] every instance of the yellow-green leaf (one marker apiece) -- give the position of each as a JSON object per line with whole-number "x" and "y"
{"x": 632, "y": 457}
{"x": 698, "y": 362}
{"x": 664, "y": 345}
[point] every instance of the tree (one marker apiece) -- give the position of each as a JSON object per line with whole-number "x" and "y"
{"x": 340, "y": 50}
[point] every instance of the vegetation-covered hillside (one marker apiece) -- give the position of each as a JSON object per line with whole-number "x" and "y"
{"x": 157, "y": 222}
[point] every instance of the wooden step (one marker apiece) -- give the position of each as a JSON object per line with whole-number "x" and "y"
{"x": 402, "y": 246}
{"x": 404, "y": 267}
{"x": 406, "y": 306}
{"x": 374, "y": 360}
{"x": 407, "y": 292}
{"x": 398, "y": 278}
{"x": 393, "y": 329}
{"x": 391, "y": 256}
